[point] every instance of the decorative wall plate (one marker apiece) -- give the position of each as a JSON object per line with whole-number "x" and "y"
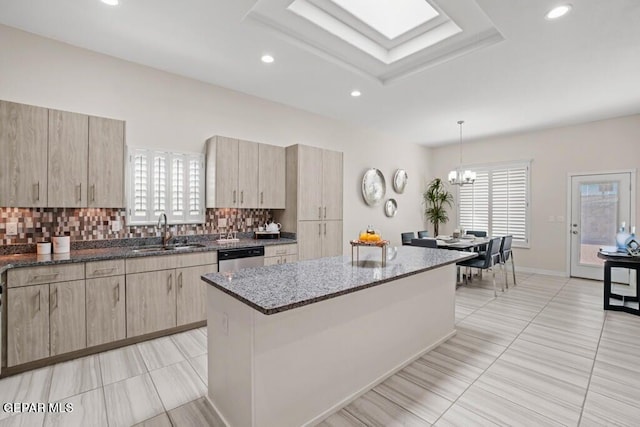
{"x": 390, "y": 207}
{"x": 400, "y": 180}
{"x": 373, "y": 187}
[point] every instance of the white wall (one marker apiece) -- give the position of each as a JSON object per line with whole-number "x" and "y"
{"x": 606, "y": 145}
{"x": 167, "y": 111}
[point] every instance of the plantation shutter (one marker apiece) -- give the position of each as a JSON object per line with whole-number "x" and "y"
{"x": 497, "y": 202}
{"x": 474, "y": 203}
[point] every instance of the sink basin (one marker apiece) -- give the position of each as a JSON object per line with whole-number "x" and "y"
{"x": 160, "y": 248}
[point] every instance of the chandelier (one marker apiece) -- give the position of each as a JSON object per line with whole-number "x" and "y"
{"x": 458, "y": 176}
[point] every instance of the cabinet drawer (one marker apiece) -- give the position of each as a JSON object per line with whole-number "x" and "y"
{"x": 150, "y": 263}
{"x": 104, "y": 268}
{"x": 28, "y": 276}
{"x": 197, "y": 258}
{"x": 279, "y": 250}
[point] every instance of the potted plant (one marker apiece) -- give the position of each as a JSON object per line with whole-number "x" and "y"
{"x": 436, "y": 198}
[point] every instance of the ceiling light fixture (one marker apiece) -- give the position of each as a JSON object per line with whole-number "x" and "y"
{"x": 457, "y": 176}
{"x": 558, "y": 12}
{"x": 355, "y": 93}
{"x": 267, "y": 59}
{"x": 111, "y": 2}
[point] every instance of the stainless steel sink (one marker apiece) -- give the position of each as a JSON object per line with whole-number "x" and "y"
{"x": 160, "y": 248}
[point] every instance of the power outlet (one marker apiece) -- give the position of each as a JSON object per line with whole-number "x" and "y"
{"x": 12, "y": 229}
{"x": 116, "y": 226}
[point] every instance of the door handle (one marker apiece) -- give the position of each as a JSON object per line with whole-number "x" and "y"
{"x": 242, "y": 197}
{"x": 36, "y": 191}
{"x": 261, "y": 197}
{"x": 80, "y": 192}
{"x": 39, "y": 291}
{"x": 319, "y": 212}
{"x": 93, "y": 193}
{"x": 180, "y": 280}
{"x": 325, "y": 212}
{"x": 574, "y": 225}
{"x": 574, "y": 232}
{"x": 234, "y": 196}
{"x": 319, "y": 229}
{"x": 55, "y": 300}
{"x": 117, "y": 289}
{"x": 170, "y": 283}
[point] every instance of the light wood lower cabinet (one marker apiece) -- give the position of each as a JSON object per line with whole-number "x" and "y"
{"x": 27, "y": 324}
{"x": 191, "y": 294}
{"x": 151, "y": 302}
{"x": 67, "y": 320}
{"x": 105, "y": 310}
{"x": 280, "y": 254}
{"x": 317, "y": 239}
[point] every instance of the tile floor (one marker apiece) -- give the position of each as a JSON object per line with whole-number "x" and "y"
{"x": 542, "y": 353}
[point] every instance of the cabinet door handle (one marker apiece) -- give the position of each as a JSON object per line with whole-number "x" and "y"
{"x": 170, "y": 283}
{"x": 38, "y": 299}
{"x": 319, "y": 212}
{"x": 325, "y": 228}
{"x": 278, "y": 262}
{"x": 325, "y": 212}
{"x": 55, "y": 299}
{"x": 36, "y": 191}
{"x": 262, "y": 197}
{"x": 79, "y": 186}
{"x": 117, "y": 289}
{"x": 180, "y": 280}
{"x": 93, "y": 192}
{"x": 39, "y": 277}
{"x": 319, "y": 229}
{"x": 241, "y": 197}
{"x": 234, "y": 196}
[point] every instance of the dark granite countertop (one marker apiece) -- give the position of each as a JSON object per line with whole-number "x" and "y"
{"x": 278, "y": 288}
{"x": 119, "y": 252}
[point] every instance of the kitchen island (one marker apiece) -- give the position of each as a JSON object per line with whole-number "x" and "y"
{"x": 290, "y": 344}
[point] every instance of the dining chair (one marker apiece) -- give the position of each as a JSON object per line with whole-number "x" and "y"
{"x": 406, "y": 238}
{"x": 486, "y": 262}
{"x": 422, "y": 234}
{"x": 482, "y": 248}
{"x": 505, "y": 255}
{"x": 425, "y": 243}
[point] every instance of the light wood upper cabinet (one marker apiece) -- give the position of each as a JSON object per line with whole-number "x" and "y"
{"x": 106, "y": 163}
{"x": 23, "y": 162}
{"x": 151, "y": 302}
{"x": 27, "y": 324}
{"x": 67, "y": 163}
{"x": 247, "y": 174}
{"x": 191, "y": 295}
{"x": 331, "y": 185}
{"x": 105, "y": 310}
{"x": 67, "y": 317}
{"x": 222, "y": 172}
{"x": 272, "y": 174}
{"x": 310, "y": 183}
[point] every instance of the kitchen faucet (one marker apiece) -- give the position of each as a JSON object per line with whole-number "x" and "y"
{"x": 166, "y": 234}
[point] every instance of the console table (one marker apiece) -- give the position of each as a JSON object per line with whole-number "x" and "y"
{"x": 626, "y": 303}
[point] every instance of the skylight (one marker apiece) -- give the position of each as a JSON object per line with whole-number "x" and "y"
{"x": 391, "y": 18}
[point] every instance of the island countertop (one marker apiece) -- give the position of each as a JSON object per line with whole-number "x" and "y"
{"x": 278, "y": 288}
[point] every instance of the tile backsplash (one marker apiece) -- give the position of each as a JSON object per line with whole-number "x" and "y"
{"x": 35, "y": 224}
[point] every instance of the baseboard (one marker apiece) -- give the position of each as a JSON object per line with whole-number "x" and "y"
{"x": 540, "y": 271}
{"x": 377, "y": 381}
{"x": 215, "y": 408}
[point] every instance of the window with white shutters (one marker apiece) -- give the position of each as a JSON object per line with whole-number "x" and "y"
{"x": 498, "y": 202}
{"x": 165, "y": 182}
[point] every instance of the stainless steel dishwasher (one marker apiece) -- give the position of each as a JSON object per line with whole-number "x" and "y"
{"x": 230, "y": 260}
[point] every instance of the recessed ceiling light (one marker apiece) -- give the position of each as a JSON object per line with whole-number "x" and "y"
{"x": 355, "y": 93}
{"x": 110, "y": 2}
{"x": 558, "y": 11}
{"x": 267, "y": 59}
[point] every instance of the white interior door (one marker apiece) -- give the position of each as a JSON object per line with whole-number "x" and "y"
{"x": 599, "y": 204}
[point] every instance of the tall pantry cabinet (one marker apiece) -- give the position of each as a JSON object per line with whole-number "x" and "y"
{"x": 314, "y": 200}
